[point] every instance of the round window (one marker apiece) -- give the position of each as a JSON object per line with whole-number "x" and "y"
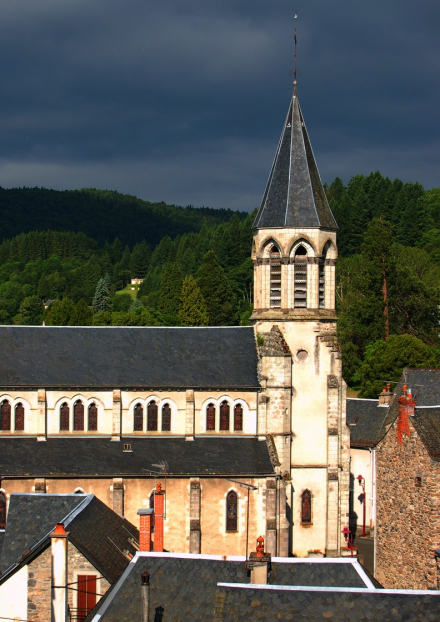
{"x": 302, "y": 356}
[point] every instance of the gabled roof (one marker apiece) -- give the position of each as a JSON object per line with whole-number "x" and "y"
{"x": 294, "y": 195}
{"x": 365, "y": 419}
{"x": 189, "y": 584}
{"x": 98, "y": 457}
{"x": 98, "y": 532}
{"x": 119, "y": 357}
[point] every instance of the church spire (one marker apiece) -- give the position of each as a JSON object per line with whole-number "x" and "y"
{"x": 294, "y": 195}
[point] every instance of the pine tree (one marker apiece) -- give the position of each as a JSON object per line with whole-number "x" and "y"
{"x": 194, "y": 311}
{"x": 215, "y": 289}
{"x": 31, "y": 311}
{"x": 170, "y": 289}
{"x": 82, "y": 314}
{"x": 140, "y": 259}
{"x": 101, "y": 299}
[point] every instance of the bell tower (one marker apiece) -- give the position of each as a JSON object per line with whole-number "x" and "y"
{"x": 294, "y": 253}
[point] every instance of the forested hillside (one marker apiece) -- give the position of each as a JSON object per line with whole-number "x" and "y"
{"x": 101, "y": 214}
{"x": 81, "y": 250}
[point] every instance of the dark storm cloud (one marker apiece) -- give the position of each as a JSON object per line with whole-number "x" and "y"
{"x": 184, "y": 101}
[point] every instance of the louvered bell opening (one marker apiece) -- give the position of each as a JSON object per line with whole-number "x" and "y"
{"x": 275, "y": 278}
{"x": 300, "y": 279}
{"x": 321, "y": 286}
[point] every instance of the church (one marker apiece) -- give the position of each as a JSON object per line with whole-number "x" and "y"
{"x": 243, "y": 427}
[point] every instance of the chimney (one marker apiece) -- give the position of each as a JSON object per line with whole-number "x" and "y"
{"x": 58, "y": 541}
{"x": 406, "y": 410}
{"x": 385, "y": 396}
{"x": 145, "y": 529}
{"x": 145, "y": 589}
{"x": 259, "y": 563}
{"x": 158, "y": 518}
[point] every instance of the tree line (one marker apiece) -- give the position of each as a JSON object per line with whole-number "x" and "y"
{"x": 387, "y": 289}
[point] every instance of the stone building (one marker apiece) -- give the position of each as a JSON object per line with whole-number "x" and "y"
{"x": 408, "y": 485}
{"x": 74, "y": 542}
{"x": 111, "y": 411}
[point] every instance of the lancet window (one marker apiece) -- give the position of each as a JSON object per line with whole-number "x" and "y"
{"x": 138, "y": 418}
{"x": 306, "y": 507}
{"x": 231, "y": 511}
{"x": 224, "y": 416}
{"x": 78, "y": 416}
{"x": 5, "y": 415}
{"x": 152, "y": 417}
{"x": 238, "y": 418}
{"x": 93, "y": 418}
{"x": 64, "y": 417}
{"x": 166, "y": 418}
{"x": 210, "y": 418}
{"x": 19, "y": 417}
{"x": 300, "y": 278}
{"x": 275, "y": 277}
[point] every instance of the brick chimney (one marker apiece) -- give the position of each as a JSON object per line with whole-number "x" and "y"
{"x": 158, "y": 518}
{"x": 58, "y": 542}
{"x": 259, "y": 563}
{"x": 406, "y": 409}
{"x": 145, "y": 528}
{"x": 385, "y": 396}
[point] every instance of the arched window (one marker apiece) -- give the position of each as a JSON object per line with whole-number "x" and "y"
{"x": 138, "y": 419}
{"x": 166, "y": 418}
{"x": 231, "y": 511}
{"x": 64, "y": 417}
{"x": 300, "y": 278}
{"x": 152, "y": 417}
{"x": 224, "y": 416}
{"x": 306, "y": 507}
{"x": 210, "y": 417}
{"x": 78, "y": 416}
{"x": 2, "y": 510}
{"x": 275, "y": 277}
{"x": 19, "y": 417}
{"x": 5, "y": 415}
{"x": 93, "y": 418}
{"x": 322, "y": 275}
{"x": 238, "y": 418}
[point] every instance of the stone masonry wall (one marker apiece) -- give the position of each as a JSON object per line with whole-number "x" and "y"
{"x": 78, "y": 564}
{"x": 39, "y": 588}
{"x": 408, "y": 514}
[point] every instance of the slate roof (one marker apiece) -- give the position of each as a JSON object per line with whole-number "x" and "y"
{"x": 119, "y": 357}
{"x": 186, "y": 586}
{"x": 294, "y": 195}
{"x": 95, "y": 457}
{"x": 365, "y": 420}
{"x": 98, "y": 532}
{"x": 194, "y": 587}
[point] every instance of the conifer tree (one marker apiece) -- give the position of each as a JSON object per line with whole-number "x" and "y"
{"x": 140, "y": 259}
{"x": 60, "y": 312}
{"x": 170, "y": 289}
{"x": 101, "y": 299}
{"x": 215, "y": 289}
{"x": 82, "y": 314}
{"x": 31, "y": 311}
{"x": 194, "y": 311}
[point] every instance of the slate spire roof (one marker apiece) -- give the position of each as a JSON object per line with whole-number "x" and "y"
{"x": 294, "y": 195}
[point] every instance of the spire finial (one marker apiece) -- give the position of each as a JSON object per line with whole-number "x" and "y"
{"x": 294, "y": 66}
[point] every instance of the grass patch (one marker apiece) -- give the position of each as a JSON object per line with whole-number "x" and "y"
{"x": 131, "y": 290}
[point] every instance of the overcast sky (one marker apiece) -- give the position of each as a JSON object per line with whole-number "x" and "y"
{"x": 184, "y": 100}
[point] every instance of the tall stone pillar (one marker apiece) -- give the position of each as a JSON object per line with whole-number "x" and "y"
{"x": 41, "y": 417}
{"x": 116, "y": 418}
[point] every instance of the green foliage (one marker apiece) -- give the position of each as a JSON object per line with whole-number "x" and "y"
{"x": 385, "y": 361}
{"x": 122, "y": 302}
{"x": 101, "y": 300}
{"x": 170, "y": 289}
{"x": 216, "y": 291}
{"x": 193, "y": 311}
{"x": 82, "y": 314}
{"x": 31, "y": 311}
{"x": 60, "y": 313}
